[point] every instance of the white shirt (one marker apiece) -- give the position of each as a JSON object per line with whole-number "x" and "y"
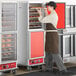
{"x": 52, "y": 18}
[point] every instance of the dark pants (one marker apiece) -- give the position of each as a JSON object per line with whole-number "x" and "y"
{"x": 51, "y": 58}
{"x": 48, "y": 61}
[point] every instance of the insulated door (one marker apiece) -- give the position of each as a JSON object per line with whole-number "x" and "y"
{"x": 37, "y": 44}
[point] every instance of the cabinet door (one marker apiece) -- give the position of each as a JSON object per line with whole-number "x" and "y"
{"x": 9, "y": 16}
{"x": 34, "y": 23}
{"x": 9, "y": 50}
{"x": 66, "y": 45}
{"x": 37, "y": 44}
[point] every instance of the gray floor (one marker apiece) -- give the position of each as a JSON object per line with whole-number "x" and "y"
{"x": 73, "y": 70}
{"x": 22, "y": 71}
{"x": 43, "y": 74}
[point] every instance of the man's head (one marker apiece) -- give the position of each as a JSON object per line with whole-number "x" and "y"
{"x": 51, "y": 6}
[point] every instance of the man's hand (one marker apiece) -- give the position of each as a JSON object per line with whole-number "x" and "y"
{"x": 39, "y": 11}
{"x": 46, "y": 13}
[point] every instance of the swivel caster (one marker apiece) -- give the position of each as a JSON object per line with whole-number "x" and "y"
{"x": 40, "y": 67}
{"x": 29, "y": 68}
{"x": 13, "y": 72}
{"x": 1, "y": 73}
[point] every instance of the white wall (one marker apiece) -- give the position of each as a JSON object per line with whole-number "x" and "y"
{"x": 68, "y": 2}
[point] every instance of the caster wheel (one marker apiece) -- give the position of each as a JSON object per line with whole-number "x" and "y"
{"x": 39, "y": 67}
{"x": 7, "y": 71}
{"x": 13, "y": 72}
{"x": 1, "y": 73}
{"x": 29, "y": 68}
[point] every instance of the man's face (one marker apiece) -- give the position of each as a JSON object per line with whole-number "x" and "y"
{"x": 50, "y": 8}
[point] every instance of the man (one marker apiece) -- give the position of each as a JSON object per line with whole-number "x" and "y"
{"x": 52, "y": 40}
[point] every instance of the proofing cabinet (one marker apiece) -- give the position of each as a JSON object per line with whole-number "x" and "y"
{"x": 8, "y": 36}
{"x": 31, "y": 33}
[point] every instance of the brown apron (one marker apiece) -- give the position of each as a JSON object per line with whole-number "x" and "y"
{"x": 52, "y": 40}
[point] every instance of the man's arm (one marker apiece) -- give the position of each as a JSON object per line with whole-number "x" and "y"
{"x": 47, "y": 19}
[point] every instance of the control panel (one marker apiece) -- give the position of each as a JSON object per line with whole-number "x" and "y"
{"x": 8, "y": 66}
{"x": 36, "y": 61}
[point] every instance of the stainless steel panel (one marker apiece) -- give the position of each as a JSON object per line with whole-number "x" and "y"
{"x": 75, "y": 16}
{"x": 72, "y": 7}
{"x": 66, "y": 45}
{"x": 23, "y": 11}
{"x": 71, "y": 54}
{"x": 68, "y": 16}
{"x": 61, "y": 45}
{"x": 74, "y": 47}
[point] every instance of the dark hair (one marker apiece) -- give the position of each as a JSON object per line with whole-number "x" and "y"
{"x": 51, "y": 3}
